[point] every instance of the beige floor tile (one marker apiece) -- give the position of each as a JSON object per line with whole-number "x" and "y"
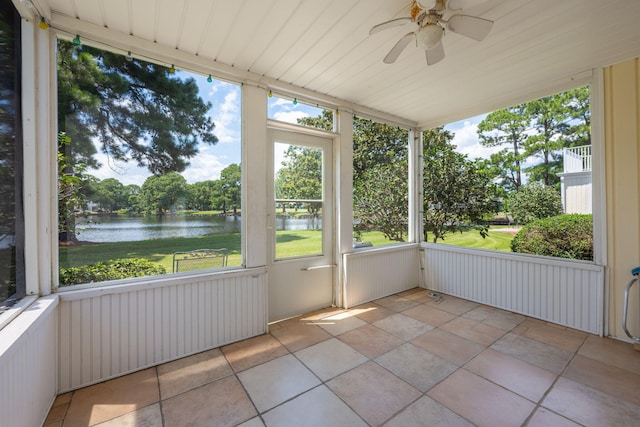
{"x": 277, "y": 381}
{"x": 318, "y": 407}
{"x": 300, "y": 336}
{"x": 590, "y": 407}
{"x": 370, "y": 341}
{"x": 189, "y": 372}
{"x": 449, "y": 346}
{"x": 545, "y": 418}
{"x": 220, "y": 403}
{"x": 414, "y": 294}
{"x": 497, "y": 318}
{"x": 149, "y": 416}
{"x": 254, "y": 351}
{"x": 253, "y": 422}
{"x": 62, "y": 399}
{"x": 396, "y": 303}
{"x": 520, "y": 377}
{"x": 453, "y": 305}
{"x": 473, "y": 331}
{"x": 58, "y": 410}
{"x": 104, "y": 401}
{"x": 480, "y": 401}
{"x": 371, "y": 312}
{"x": 534, "y": 352}
{"x": 428, "y": 314}
{"x": 404, "y": 327}
{"x": 612, "y": 352}
{"x": 427, "y": 412}
{"x": 608, "y": 379}
{"x": 418, "y": 367}
{"x": 330, "y": 358}
{"x": 57, "y": 413}
{"x": 340, "y": 323}
{"x": 566, "y": 339}
{"x": 321, "y": 314}
{"x": 373, "y": 392}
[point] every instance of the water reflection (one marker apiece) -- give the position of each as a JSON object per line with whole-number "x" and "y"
{"x": 102, "y": 229}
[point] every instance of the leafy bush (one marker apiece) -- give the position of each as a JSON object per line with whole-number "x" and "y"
{"x": 534, "y": 201}
{"x": 563, "y": 236}
{"x": 109, "y": 270}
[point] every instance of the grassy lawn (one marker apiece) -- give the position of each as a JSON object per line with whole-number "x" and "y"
{"x": 159, "y": 251}
{"x": 495, "y": 240}
{"x": 290, "y": 243}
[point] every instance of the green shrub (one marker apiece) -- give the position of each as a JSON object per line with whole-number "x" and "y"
{"x": 534, "y": 201}
{"x": 109, "y": 270}
{"x": 563, "y": 236}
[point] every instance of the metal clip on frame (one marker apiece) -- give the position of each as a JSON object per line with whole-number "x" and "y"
{"x": 636, "y": 278}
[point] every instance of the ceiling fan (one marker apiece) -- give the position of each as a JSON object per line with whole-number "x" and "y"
{"x": 430, "y": 21}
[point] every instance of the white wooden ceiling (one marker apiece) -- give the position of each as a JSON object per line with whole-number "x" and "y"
{"x": 536, "y": 47}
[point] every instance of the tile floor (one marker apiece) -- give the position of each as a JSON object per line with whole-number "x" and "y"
{"x": 404, "y": 360}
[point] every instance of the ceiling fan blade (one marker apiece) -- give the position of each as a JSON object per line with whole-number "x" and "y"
{"x": 435, "y": 54}
{"x": 470, "y": 26}
{"x": 389, "y": 24}
{"x": 396, "y": 50}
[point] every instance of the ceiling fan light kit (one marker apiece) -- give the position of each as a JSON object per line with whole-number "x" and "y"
{"x": 429, "y": 36}
{"x": 430, "y": 31}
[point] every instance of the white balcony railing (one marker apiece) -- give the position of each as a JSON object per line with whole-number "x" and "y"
{"x": 577, "y": 159}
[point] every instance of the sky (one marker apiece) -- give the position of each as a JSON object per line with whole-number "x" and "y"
{"x": 225, "y": 111}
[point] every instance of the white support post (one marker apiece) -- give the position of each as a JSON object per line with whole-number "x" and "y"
{"x": 415, "y": 186}
{"x": 343, "y": 171}
{"x": 254, "y": 190}
{"x": 30, "y": 190}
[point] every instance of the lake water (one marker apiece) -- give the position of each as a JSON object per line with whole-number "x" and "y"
{"x": 125, "y": 229}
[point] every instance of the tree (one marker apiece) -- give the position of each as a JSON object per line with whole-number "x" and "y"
{"x": 579, "y": 103}
{"x": 230, "y": 183}
{"x": 457, "y": 192}
{"x": 132, "y": 192}
{"x": 534, "y": 201}
{"x": 550, "y": 119}
{"x": 73, "y": 188}
{"x": 110, "y": 194}
{"x": 300, "y": 177}
{"x": 160, "y": 193}
{"x": 376, "y": 144}
{"x": 202, "y": 195}
{"x": 135, "y": 111}
{"x": 507, "y": 127}
{"x": 381, "y": 201}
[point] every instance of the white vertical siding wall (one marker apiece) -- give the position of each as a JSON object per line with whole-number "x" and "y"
{"x": 565, "y": 292}
{"x": 28, "y": 365}
{"x": 376, "y": 273}
{"x": 112, "y": 331}
{"x": 577, "y": 193}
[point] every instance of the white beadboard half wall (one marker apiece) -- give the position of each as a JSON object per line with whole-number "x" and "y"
{"x": 566, "y": 292}
{"x": 28, "y": 347}
{"x": 375, "y": 273}
{"x": 110, "y": 331}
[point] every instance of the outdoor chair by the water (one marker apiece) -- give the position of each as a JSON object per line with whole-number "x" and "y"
{"x": 199, "y": 259}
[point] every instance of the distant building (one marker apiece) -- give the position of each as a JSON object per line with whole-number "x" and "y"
{"x": 575, "y": 181}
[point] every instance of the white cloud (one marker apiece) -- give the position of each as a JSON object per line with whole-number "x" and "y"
{"x": 226, "y": 117}
{"x": 467, "y": 141}
{"x": 204, "y": 167}
{"x": 289, "y": 116}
